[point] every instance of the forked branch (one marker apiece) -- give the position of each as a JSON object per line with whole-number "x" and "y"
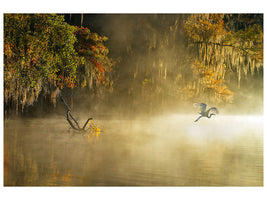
{"x": 72, "y": 121}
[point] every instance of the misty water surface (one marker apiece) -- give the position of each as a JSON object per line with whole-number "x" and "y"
{"x": 168, "y": 150}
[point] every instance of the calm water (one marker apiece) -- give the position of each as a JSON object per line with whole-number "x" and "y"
{"x": 168, "y": 150}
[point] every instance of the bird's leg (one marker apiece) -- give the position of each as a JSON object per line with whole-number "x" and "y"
{"x": 198, "y": 118}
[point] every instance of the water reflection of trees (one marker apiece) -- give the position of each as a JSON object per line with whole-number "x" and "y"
{"x": 29, "y": 162}
{"x": 140, "y": 157}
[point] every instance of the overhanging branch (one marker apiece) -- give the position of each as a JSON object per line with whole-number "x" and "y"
{"x": 221, "y": 44}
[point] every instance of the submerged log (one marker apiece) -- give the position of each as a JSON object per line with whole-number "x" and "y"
{"x": 72, "y": 121}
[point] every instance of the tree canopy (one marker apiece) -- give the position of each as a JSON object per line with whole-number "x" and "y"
{"x": 42, "y": 52}
{"x": 164, "y": 58}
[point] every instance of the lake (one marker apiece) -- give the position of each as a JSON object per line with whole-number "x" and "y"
{"x": 165, "y": 150}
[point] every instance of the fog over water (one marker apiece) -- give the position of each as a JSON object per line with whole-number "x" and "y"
{"x": 164, "y": 150}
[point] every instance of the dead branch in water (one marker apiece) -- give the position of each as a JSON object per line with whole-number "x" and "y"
{"x": 72, "y": 121}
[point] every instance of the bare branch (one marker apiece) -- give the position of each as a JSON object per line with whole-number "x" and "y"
{"x": 70, "y": 118}
{"x": 86, "y": 123}
{"x": 71, "y": 124}
{"x": 221, "y": 44}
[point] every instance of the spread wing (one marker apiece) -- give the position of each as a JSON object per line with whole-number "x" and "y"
{"x": 201, "y": 106}
{"x": 213, "y": 110}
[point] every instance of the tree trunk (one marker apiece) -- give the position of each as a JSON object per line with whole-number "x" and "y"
{"x": 17, "y": 99}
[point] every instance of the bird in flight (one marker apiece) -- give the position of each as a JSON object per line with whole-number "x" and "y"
{"x": 205, "y": 113}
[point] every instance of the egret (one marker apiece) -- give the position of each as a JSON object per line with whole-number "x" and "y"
{"x": 205, "y": 113}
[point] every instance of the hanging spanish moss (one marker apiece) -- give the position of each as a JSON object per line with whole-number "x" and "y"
{"x": 161, "y": 59}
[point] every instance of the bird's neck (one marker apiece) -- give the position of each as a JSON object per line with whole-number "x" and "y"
{"x": 210, "y": 115}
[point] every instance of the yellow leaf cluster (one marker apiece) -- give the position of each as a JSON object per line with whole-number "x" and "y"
{"x": 94, "y": 131}
{"x": 211, "y": 81}
{"x": 203, "y": 27}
